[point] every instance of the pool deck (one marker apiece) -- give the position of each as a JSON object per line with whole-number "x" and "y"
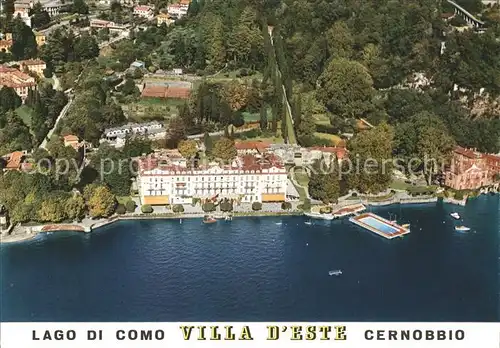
{"x": 401, "y": 230}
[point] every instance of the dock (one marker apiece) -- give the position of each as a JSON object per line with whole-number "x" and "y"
{"x": 379, "y": 225}
{"x": 349, "y": 210}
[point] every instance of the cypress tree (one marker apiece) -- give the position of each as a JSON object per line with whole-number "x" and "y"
{"x": 263, "y": 118}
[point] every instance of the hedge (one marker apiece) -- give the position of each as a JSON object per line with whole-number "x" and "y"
{"x": 120, "y": 209}
{"x": 256, "y": 206}
{"x": 147, "y": 209}
{"x": 130, "y": 206}
{"x": 178, "y": 208}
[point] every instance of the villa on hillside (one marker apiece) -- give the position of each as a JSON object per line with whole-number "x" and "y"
{"x": 165, "y": 178}
{"x": 19, "y": 81}
{"x": 144, "y": 11}
{"x": 179, "y": 9}
{"x": 5, "y": 45}
{"x": 16, "y": 161}
{"x": 305, "y": 156}
{"x": 471, "y": 169}
{"x": 164, "y": 18}
{"x": 36, "y": 66}
{"x": 117, "y": 136}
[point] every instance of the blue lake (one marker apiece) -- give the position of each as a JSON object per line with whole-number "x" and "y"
{"x": 253, "y": 269}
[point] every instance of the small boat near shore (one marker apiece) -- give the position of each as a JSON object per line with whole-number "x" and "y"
{"x": 455, "y": 216}
{"x": 209, "y": 219}
{"x": 335, "y": 272}
{"x": 308, "y": 223}
{"x": 319, "y": 216}
{"x": 462, "y": 228}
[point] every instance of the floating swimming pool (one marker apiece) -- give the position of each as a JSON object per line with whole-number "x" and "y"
{"x": 379, "y": 225}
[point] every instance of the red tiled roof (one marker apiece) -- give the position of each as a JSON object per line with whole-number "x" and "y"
{"x": 252, "y": 145}
{"x": 5, "y": 43}
{"x": 70, "y": 137}
{"x": 14, "y": 160}
{"x": 32, "y": 62}
{"x": 142, "y": 8}
{"x": 466, "y": 152}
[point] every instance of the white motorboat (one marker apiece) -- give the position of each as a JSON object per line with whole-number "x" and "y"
{"x": 319, "y": 216}
{"x": 279, "y": 223}
{"x": 308, "y": 223}
{"x": 455, "y": 216}
{"x": 462, "y": 228}
{"x": 335, "y": 272}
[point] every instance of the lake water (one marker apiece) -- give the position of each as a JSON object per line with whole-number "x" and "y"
{"x": 253, "y": 269}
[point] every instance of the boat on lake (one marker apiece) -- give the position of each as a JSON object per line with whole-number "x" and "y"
{"x": 335, "y": 272}
{"x": 319, "y": 216}
{"x": 308, "y": 223}
{"x": 208, "y": 219}
{"x": 455, "y": 216}
{"x": 462, "y": 228}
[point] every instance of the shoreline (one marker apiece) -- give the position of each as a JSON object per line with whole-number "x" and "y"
{"x": 34, "y": 231}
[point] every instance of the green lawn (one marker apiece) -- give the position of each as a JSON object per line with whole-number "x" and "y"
{"x": 152, "y": 108}
{"x": 25, "y": 113}
{"x": 335, "y": 139}
{"x": 399, "y": 185}
{"x": 122, "y": 199}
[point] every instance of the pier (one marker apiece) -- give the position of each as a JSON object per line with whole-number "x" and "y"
{"x": 379, "y": 225}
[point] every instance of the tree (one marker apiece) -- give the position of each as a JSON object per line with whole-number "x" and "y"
{"x": 86, "y": 47}
{"x": 21, "y": 213}
{"x": 39, "y": 17}
{"x": 371, "y": 151}
{"x": 146, "y": 209}
{"x": 225, "y": 150}
{"x": 9, "y": 100}
{"x": 23, "y": 41}
{"x": 187, "y": 148}
{"x": 324, "y": 181}
{"x": 176, "y": 132}
{"x": 207, "y": 141}
{"x": 286, "y": 206}
{"x": 263, "y": 118}
{"x": 340, "y": 40}
{"x": 79, "y": 6}
{"x": 52, "y": 210}
{"x": 208, "y": 207}
{"x": 120, "y": 209}
{"x": 256, "y": 206}
{"x": 75, "y": 208}
{"x": 101, "y": 203}
{"x": 136, "y": 146}
{"x": 178, "y": 208}
{"x": 346, "y": 88}
{"x": 130, "y": 206}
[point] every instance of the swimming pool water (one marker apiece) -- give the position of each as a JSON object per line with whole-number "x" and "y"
{"x": 379, "y": 225}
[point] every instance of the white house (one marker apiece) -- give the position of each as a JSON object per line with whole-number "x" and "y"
{"x": 144, "y": 11}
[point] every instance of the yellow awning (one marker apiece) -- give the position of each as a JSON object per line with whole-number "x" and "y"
{"x": 273, "y": 197}
{"x": 156, "y": 200}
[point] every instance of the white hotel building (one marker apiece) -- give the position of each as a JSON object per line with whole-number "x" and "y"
{"x": 166, "y": 179}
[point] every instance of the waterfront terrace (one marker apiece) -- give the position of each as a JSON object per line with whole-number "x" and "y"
{"x": 167, "y": 178}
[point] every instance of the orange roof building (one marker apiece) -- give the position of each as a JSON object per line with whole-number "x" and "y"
{"x": 19, "y": 81}
{"x": 471, "y": 169}
{"x": 5, "y": 45}
{"x": 71, "y": 140}
{"x": 14, "y": 160}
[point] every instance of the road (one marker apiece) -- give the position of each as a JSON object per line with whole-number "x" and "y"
{"x": 63, "y": 113}
{"x": 115, "y": 39}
